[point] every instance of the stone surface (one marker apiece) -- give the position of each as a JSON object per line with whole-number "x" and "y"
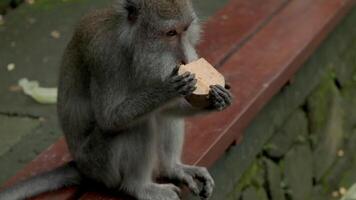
{"x": 252, "y": 193}
{"x": 344, "y": 64}
{"x": 347, "y": 174}
{"x": 13, "y": 129}
{"x": 318, "y": 105}
{"x": 295, "y": 129}
{"x": 341, "y": 173}
{"x": 319, "y": 193}
{"x": 274, "y": 180}
{"x": 298, "y": 172}
{"x": 326, "y": 117}
{"x": 226, "y": 187}
{"x": 349, "y": 102}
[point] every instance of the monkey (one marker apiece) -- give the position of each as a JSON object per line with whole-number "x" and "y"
{"x": 121, "y": 102}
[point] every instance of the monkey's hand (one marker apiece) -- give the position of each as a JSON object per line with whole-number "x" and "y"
{"x": 184, "y": 84}
{"x": 220, "y": 97}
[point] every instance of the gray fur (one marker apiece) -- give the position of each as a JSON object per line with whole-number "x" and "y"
{"x": 121, "y": 102}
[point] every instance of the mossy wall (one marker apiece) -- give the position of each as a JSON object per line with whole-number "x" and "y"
{"x": 302, "y": 144}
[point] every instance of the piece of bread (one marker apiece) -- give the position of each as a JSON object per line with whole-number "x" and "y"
{"x": 206, "y": 75}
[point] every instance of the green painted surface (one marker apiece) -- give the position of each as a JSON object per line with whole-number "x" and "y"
{"x": 13, "y": 129}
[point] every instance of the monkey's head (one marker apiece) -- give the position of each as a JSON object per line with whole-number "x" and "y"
{"x": 164, "y": 25}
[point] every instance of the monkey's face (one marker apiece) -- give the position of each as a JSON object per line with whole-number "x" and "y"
{"x": 168, "y": 26}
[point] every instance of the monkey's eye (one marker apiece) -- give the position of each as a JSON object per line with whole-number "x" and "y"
{"x": 172, "y": 33}
{"x": 186, "y": 28}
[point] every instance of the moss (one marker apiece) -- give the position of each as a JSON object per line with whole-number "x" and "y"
{"x": 318, "y": 105}
{"x": 253, "y": 177}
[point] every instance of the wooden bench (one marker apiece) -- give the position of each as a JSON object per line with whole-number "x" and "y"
{"x": 258, "y": 45}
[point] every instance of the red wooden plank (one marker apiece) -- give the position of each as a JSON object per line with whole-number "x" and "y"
{"x": 259, "y": 69}
{"x": 66, "y": 193}
{"x": 234, "y": 24}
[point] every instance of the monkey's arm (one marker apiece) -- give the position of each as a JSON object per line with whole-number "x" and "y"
{"x": 117, "y": 108}
{"x": 115, "y": 112}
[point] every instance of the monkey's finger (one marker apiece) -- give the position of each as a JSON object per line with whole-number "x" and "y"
{"x": 175, "y": 189}
{"x": 219, "y": 106}
{"x": 187, "y": 89}
{"x": 193, "y": 81}
{"x": 178, "y": 78}
{"x": 208, "y": 186}
{"x": 224, "y": 94}
{"x": 192, "y": 90}
{"x": 192, "y": 77}
{"x": 191, "y": 184}
{"x": 189, "y": 82}
{"x": 175, "y": 70}
{"x": 215, "y": 97}
{"x": 225, "y": 91}
{"x": 189, "y": 79}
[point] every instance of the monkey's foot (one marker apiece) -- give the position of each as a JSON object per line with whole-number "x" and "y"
{"x": 159, "y": 192}
{"x": 190, "y": 176}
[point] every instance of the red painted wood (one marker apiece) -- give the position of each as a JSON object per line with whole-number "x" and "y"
{"x": 66, "y": 193}
{"x": 230, "y": 27}
{"x": 256, "y": 72}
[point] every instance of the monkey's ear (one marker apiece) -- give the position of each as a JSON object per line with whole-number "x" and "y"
{"x": 132, "y": 9}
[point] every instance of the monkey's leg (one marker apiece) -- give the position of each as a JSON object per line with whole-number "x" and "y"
{"x": 171, "y": 130}
{"x": 140, "y": 144}
{"x": 125, "y": 162}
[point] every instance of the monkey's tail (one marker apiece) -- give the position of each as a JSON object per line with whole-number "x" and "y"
{"x": 64, "y": 176}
